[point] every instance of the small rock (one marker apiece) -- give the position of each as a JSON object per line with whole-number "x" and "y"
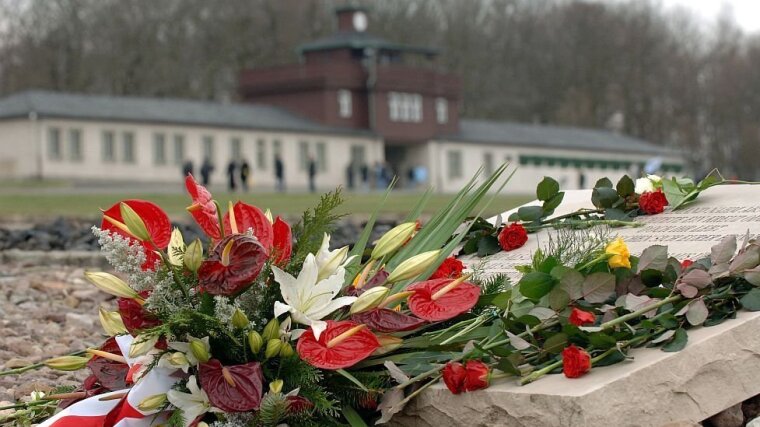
{"x": 754, "y": 423}
{"x": 731, "y": 417}
{"x": 71, "y": 301}
{"x": 751, "y": 408}
{"x": 79, "y": 321}
{"x": 16, "y": 362}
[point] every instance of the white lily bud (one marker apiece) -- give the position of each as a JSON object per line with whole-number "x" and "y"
{"x": 394, "y": 239}
{"x": 142, "y": 344}
{"x": 111, "y": 284}
{"x": 413, "y": 266}
{"x": 370, "y": 299}
{"x": 111, "y": 322}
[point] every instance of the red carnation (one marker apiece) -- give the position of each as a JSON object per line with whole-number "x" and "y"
{"x": 579, "y": 317}
{"x": 341, "y": 345}
{"x": 428, "y": 304}
{"x": 686, "y": 263}
{"x": 477, "y": 375}
{"x": 653, "y": 202}
{"x": 453, "y": 376}
{"x": 450, "y": 268}
{"x": 512, "y": 237}
{"x": 575, "y": 361}
{"x": 232, "y": 265}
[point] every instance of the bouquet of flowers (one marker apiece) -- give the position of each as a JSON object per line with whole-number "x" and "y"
{"x": 267, "y": 325}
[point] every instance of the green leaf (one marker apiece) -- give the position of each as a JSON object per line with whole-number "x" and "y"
{"x": 751, "y": 301}
{"x": 352, "y": 379}
{"x": 547, "y": 189}
{"x": 498, "y": 300}
{"x": 604, "y": 197}
{"x": 514, "y": 216}
{"x": 602, "y": 340}
{"x": 603, "y": 183}
{"x": 558, "y": 298}
{"x": 625, "y": 186}
{"x": 506, "y": 365}
{"x": 673, "y": 192}
{"x": 598, "y": 287}
{"x": 654, "y": 257}
{"x": 353, "y": 417}
{"x": 680, "y": 338}
{"x": 471, "y": 246}
{"x": 488, "y": 245}
{"x": 554, "y": 202}
{"x": 555, "y": 343}
{"x": 570, "y": 281}
{"x": 616, "y": 214}
{"x": 536, "y": 284}
{"x": 530, "y": 213}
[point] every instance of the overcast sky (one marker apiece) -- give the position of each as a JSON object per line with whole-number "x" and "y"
{"x": 745, "y": 12}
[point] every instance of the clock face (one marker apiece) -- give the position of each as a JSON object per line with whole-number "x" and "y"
{"x": 360, "y": 21}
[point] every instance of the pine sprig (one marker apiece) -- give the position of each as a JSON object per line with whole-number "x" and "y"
{"x": 314, "y": 224}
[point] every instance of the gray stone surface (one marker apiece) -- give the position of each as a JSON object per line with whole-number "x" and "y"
{"x": 719, "y": 368}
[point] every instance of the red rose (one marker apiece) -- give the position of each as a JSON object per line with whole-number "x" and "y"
{"x": 579, "y": 317}
{"x": 653, "y": 202}
{"x": 476, "y": 375}
{"x": 450, "y": 268}
{"x": 575, "y": 361}
{"x": 512, "y": 237}
{"x": 453, "y": 376}
{"x": 686, "y": 263}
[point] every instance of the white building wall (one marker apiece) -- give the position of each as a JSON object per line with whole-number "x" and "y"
{"x": 145, "y": 168}
{"x": 527, "y": 176}
{"x": 19, "y": 149}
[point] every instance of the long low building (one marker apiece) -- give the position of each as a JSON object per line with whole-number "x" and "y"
{"x": 54, "y": 135}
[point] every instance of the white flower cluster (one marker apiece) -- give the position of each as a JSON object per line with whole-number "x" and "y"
{"x": 224, "y": 309}
{"x": 126, "y": 257}
{"x": 241, "y": 419}
{"x": 165, "y": 298}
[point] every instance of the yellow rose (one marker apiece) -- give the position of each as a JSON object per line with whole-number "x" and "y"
{"x": 619, "y": 255}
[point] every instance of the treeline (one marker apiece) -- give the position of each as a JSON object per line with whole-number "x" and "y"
{"x": 634, "y": 66}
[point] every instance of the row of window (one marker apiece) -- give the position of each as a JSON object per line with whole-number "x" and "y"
{"x": 402, "y": 107}
{"x": 120, "y": 146}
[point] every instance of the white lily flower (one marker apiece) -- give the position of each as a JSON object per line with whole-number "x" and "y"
{"x": 308, "y": 299}
{"x": 329, "y": 261}
{"x": 193, "y": 404}
{"x": 643, "y": 185}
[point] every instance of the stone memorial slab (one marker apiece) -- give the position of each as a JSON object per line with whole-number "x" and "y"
{"x": 720, "y": 366}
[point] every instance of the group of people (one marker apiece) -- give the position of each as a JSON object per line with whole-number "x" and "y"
{"x": 239, "y": 172}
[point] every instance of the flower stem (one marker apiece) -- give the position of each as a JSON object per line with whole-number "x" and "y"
{"x": 21, "y": 370}
{"x": 618, "y": 320}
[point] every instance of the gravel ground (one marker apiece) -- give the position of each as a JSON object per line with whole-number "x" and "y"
{"x": 45, "y": 311}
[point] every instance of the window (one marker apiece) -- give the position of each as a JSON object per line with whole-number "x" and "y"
{"x": 358, "y": 155}
{"x": 159, "y": 149}
{"x": 344, "y": 103}
{"x": 179, "y": 149}
{"x": 128, "y": 139}
{"x": 405, "y": 107}
{"x": 54, "y": 144}
{"x": 236, "y": 148}
{"x": 321, "y": 156}
{"x": 303, "y": 155}
{"x": 488, "y": 163}
{"x": 261, "y": 154}
{"x": 441, "y": 110}
{"x": 277, "y": 147}
{"x": 208, "y": 148}
{"x": 455, "y": 164}
{"x": 75, "y": 145}
{"x": 108, "y": 146}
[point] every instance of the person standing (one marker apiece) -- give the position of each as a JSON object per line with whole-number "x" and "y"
{"x": 231, "y": 168}
{"x": 206, "y": 169}
{"x": 245, "y": 171}
{"x": 187, "y": 168}
{"x": 312, "y": 174}
{"x": 364, "y": 172}
{"x": 279, "y": 173}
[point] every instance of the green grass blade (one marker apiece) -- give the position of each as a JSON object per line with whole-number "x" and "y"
{"x": 353, "y": 417}
{"x": 415, "y": 213}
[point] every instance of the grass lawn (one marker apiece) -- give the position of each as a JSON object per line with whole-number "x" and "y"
{"x": 53, "y": 204}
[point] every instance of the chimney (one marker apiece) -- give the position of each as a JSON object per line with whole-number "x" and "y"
{"x": 351, "y": 18}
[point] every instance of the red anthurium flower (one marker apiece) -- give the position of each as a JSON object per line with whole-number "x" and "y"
{"x": 246, "y": 216}
{"x": 111, "y": 375}
{"x": 579, "y": 317}
{"x": 134, "y": 316}
{"x": 341, "y": 345}
{"x": 203, "y": 208}
{"x": 432, "y": 302}
{"x": 298, "y": 404}
{"x": 476, "y": 375}
{"x": 453, "y": 376}
{"x": 236, "y": 388}
{"x": 386, "y": 320}
{"x": 575, "y": 361}
{"x": 156, "y": 221}
{"x": 686, "y": 263}
{"x": 376, "y": 280}
{"x": 232, "y": 265}
{"x": 450, "y": 268}
{"x": 282, "y": 244}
